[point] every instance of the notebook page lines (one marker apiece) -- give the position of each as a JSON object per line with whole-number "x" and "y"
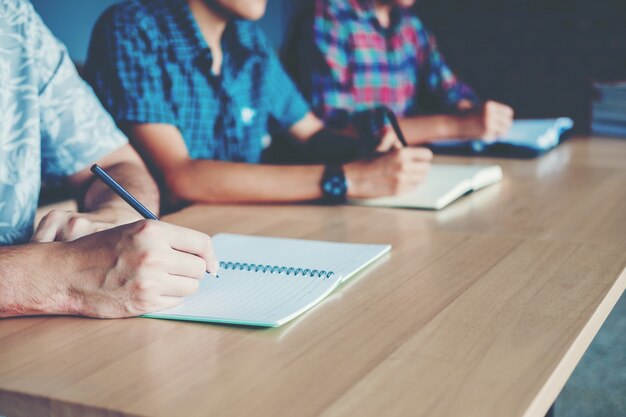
{"x": 244, "y": 296}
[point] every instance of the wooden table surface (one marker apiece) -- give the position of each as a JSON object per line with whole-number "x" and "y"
{"x": 482, "y": 309}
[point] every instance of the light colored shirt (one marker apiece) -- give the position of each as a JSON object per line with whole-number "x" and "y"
{"x": 51, "y": 123}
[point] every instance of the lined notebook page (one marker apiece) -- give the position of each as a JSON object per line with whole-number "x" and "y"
{"x": 261, "y": 298}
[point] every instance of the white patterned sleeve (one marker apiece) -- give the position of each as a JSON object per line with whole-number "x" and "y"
{"x": 75, "y": 129}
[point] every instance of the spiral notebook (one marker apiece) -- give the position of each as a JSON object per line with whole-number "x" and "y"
{"x": 267, "y": 281}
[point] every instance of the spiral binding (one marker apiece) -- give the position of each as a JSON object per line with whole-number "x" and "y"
{"x": 273, "y": 269}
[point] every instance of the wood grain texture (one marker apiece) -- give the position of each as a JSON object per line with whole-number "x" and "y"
{"x": 482, "y": 309}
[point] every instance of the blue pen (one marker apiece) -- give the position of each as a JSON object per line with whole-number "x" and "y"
{"x": 125, "y": 195}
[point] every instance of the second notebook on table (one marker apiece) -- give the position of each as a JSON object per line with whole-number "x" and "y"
{"x": 444, "y": 184}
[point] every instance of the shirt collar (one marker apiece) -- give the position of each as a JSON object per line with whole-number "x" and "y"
{"x": 364, "y": 10}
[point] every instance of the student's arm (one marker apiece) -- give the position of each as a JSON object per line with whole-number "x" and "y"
{"x": 101, "y": 207}
{"x": 216, "y": 181}
{"x": 489, "y": 121}
{"x": 126, "y": 271}
{"x": 229, "y": 182}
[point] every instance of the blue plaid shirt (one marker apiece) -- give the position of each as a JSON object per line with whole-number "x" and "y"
{"x": 149, "y": 63}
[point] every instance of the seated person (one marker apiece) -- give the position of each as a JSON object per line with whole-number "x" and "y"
{"x": 53, "y": 128}
{"x": 357, "y": 54}
{"x": 195, "y": 84}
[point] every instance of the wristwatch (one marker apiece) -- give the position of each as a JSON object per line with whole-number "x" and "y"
{"x": 334, "y": 184}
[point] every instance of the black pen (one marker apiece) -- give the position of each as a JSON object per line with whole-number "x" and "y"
{"x": 125, "y": 195}
{"x": 396, "y": 127}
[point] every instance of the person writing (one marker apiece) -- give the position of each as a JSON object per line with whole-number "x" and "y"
{"x": 196, "y": 86}
{"x": 103, "y": 262}
{"x": 352, "y": 55}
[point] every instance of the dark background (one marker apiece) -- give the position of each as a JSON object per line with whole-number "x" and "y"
{"x": 540, "y": 56}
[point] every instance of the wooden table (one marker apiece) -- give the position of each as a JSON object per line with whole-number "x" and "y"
{"x": 482, "y": 309}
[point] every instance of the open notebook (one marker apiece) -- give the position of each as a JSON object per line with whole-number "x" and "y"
{"x": 266, "y": 281}
{"x": 444, "y": 184}
{"x": 526, "y": 139}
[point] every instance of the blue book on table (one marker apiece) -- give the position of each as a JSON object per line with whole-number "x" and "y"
{"x": 526, "y": 139}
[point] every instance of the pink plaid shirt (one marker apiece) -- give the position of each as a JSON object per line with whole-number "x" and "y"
{"x": 347, "y": 62}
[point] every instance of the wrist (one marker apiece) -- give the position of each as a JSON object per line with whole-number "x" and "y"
{"x": 458, "y": 127}
{"x": 468, "y": 127}
{"x": 66, "y": 265}
{"x": 334, "y": 184}
{"x": 353, "y": 172}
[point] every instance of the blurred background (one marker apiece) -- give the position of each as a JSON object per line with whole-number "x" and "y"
{"x": 540, "y": 56}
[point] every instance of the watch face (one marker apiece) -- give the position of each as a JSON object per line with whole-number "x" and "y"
{"x": 335, "y": 186}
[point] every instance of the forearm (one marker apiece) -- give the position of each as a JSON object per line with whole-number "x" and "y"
{"x": 227, "y": 182}
{"x": 135, "y": 179}
{"x": 422, "y": 129}
{"x": 32, "y": 280}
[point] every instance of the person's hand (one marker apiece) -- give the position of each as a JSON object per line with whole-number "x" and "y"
{"x": 464, "y": 105}
{"x": 388, "y": 142}
{"x": 65, "y": 226}
{"x": 136, "y": 269}
{"x": 492, "y": 121}
{"x": 397, "y": 172}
